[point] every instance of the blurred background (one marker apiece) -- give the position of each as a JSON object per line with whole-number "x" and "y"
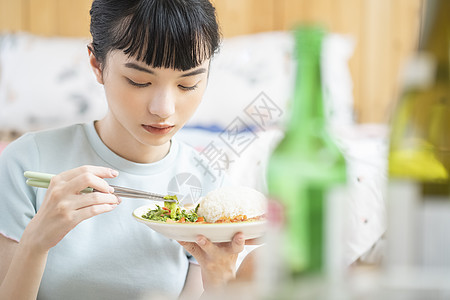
{"x": 385, "y": 33}
{"x": 366, "y": 70}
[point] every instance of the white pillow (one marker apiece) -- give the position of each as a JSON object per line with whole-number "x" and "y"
{"x": 247, "y": 69}
{"x": 46, "y": 82}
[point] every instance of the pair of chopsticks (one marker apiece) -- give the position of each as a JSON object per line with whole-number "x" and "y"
{"x": 42, "y": 180}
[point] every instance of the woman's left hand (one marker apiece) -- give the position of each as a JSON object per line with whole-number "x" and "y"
{"x": 217, "y": 260}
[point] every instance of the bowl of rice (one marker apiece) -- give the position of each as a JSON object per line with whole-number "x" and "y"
{"x": 224, "y": 212}
{"x": 232, "y": 204}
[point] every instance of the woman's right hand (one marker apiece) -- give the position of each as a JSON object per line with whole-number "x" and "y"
{"x": 64, "y": 207}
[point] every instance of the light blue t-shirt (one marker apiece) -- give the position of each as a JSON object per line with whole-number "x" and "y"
{"x": 110, "y": 256}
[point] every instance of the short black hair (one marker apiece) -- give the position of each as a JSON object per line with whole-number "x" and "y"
{"x": 177, "y": 34}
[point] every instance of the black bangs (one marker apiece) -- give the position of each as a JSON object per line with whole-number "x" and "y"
{"x": 168, "y": 33}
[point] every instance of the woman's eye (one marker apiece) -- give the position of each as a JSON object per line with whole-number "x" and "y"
{"x": 188, "y": 88}
{"x": 138, "y": 84}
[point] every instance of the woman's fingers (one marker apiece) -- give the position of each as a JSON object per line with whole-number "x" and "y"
{"x": 65, "y": 191}
{"x": 75, "y": 180}
{"x": 217, "y": 260}
{"x": 86, "y": 175}
{"x": 95, "y": 198}
{"x": 93, "y": 210}
{"x": 194, "y": 250}
{"x": 64, "y": 206}
{"x": 234, "y": 247}
{"x": 102, "y": 172}
{"x": 85, "y": 180}
{"x": 204, "y": 246}
{"x": 238, "y": 242}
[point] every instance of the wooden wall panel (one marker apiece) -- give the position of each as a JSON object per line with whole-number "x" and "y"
{"x": 43, "y": 17}
{"x": 12, "y": 15}
{"x": 237, "y": 17}
{"x": 375, "y": 59}
{"x": 46, "y": 17}
{"x": 73, "y": 17}
{"x": 385, "y": 31}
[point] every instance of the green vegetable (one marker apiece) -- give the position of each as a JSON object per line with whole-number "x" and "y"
{"x": 171, "y": 197}
{"x": 173, "y": 206}
{"x": 172, "y": 210}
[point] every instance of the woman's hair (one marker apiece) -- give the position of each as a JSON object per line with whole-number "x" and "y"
{"x": 177, "y": 34}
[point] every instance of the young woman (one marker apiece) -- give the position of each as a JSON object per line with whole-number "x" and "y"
{"x": 152, "y": 57}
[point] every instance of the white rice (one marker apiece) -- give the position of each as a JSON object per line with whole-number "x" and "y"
{"x": 230, "y": 202}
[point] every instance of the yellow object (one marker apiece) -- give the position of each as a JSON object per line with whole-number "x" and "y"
{"x": 418, "y": 164}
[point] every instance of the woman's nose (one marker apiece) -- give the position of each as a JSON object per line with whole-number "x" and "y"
{"x": 162, "y": 104}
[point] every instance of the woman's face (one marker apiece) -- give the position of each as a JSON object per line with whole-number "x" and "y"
{"x": 147, "y": 106}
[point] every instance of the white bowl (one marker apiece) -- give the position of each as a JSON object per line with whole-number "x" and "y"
{"x": 188, "y": 232}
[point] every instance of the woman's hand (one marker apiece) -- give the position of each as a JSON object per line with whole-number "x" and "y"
{"x": 217, "y": 260}
{"x": 64, "y": 206}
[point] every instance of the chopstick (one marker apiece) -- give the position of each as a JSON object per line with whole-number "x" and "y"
{"x": 42, "y": 180}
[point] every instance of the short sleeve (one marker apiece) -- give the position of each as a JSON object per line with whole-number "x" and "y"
{"x": 17, "y": 199}
{"x": 190, "y": 257}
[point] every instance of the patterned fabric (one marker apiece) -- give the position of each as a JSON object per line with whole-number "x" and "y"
{"x": 46, "y": 83}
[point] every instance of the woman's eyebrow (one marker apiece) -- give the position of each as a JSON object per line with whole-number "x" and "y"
{"x": 195, "y": 72}
{"x": 132, "y": 65}
{"x": 138, "y": 67}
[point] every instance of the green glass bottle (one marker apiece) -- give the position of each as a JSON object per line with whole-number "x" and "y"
{"x": 306, "y": 164}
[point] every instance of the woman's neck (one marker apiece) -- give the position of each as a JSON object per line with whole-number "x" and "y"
{"x": 119, "y": 140}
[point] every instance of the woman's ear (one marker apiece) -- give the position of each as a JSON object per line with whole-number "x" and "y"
{"x": 95, "y": 65}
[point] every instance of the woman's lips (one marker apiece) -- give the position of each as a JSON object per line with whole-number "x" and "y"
{"x": 159, "y": 129}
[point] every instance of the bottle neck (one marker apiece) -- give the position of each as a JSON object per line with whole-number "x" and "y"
{"x": 307, "y": 106}
{"x": 438, "y": 43}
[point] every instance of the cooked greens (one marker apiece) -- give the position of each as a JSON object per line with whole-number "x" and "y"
{"x": 171, "y": 212}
